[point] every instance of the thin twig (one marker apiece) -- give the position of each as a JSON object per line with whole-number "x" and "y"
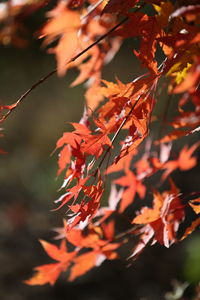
{"x": 119, "y": 129}
{"x": 91, "y": 8}
{"x": 102, "y": 37}
{"x": 126, "y": 232}
{"x": 41, "y": 80}
{"x": 44, "y": 78}
{"x": 114, "y": 137}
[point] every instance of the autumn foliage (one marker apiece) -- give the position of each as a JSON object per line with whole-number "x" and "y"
{"x": 115, "y": 125}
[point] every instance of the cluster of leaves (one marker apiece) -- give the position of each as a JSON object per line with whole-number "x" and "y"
{"x": 87, "y": 35}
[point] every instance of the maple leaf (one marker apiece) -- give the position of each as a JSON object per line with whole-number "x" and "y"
{"x": 143, "y": 167}
{"x": 147, "y": 234}
{"x": 82, "y": 264}
{"x": 149, "y": 215}
{"x": 72, "y": 143}
{"x": 179, "y": 66}
{"x": 133, "y": 185}
{"x": 45, "y": 274}
{"x": 73, "y": 138}
{"x": 80, "y": 239}
{"x": 184, "y": 38}
{"x": 71, "y": 193}
{"x": 50, "y": 272}
{"x": 164, "y": 217}
{"x": 90, "y": 63}
{"x": 175, "y": 134}
{"x": 94, "y": 144}
{"x": 82, "y": 142}
{"x": 186, "y": 119}
{"x": 191, "y": 228}
{"x": 148, "y": 30}
{"x": 109, "y": 230}
{"x": 54, "y": 252}
{"x": 190, "y": 82}
{"x": 184, "y": 162}
{"x": 63, "y": 23}
{"x": 138, "y": 120}
{"x": 85, "y": 35}
{"x": 109, "y": 250}
{"x": 118, "y": 89}
{"x": 195, "y": 204}
{"x": 86, "y": 211}
{"x": 122, "y": 164}
{"x": 122, "y": 99}
{"x": 86, "y": 261}
{"x": 101, "y": 249}
{"x": 64, "y": 159}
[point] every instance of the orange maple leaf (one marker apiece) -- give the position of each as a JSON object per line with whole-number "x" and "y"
{"x": 191, "y": 79}
{"x": 184, "y": 162}
{"x": 82, "y": 264}
{"x": 50, "y": 272}
{"x": 63, "y": 23}
{"x": 191, "y": 228}
{"x": 133, "y": 185}
{"x": 85, "y": 211}
{"x": 164, "y": 217}
{"x": 85, "y": 262}
{"x": 148, "y": 30}
{"x": 195, "y": 204}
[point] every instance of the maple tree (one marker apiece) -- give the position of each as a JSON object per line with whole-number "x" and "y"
{"x": 116, "y": 121}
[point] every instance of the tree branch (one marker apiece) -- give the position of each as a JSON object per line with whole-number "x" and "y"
{"x": 44, "y": 78}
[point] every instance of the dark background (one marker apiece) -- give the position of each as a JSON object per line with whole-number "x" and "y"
{"x": 28, "y": 187}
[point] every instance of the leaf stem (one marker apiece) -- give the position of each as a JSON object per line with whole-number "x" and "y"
{"x": 114, "y": 137}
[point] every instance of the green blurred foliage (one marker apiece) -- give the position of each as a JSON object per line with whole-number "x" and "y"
{"x": 192, "y": 260}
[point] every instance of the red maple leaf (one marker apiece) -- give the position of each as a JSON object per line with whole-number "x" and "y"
{"x": 165, "y": 216}
{"x": 184, "y": 162}
{"x": 133, "y": 185}
{"x": 50, "y": 272}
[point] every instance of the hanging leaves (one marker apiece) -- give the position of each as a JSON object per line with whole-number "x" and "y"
{"x": 86, "y": 35}
{"x": 49, "y": 273}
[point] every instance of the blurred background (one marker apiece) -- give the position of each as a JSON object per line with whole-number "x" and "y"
{"x": 28, "y": 187}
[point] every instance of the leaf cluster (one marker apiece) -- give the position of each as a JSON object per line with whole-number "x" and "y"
{"x": 86, "y": 35}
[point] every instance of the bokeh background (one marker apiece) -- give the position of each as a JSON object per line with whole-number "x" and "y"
{"x": 28, "y": 186}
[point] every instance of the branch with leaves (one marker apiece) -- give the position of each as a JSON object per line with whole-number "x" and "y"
{"x": 114, "y": 127}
